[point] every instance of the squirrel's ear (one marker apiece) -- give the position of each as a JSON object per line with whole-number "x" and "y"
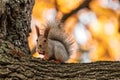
{"x": 37, "y": 31}
{"x": 46, "y": 32}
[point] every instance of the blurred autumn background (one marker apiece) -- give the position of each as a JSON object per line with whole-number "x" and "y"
{"x": 95, "y": 24}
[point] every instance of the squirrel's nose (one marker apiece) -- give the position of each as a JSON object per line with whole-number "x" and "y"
{"x": 40, "y": 46}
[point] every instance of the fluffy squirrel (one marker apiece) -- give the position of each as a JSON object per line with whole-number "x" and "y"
{"x": 56, "y": 44}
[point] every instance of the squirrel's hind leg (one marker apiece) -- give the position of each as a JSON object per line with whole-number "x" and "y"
{"x": 60, "y": 53}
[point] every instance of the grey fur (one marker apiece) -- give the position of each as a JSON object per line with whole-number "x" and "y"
{"x": 60, "y": 44}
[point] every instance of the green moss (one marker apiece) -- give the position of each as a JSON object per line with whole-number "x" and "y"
{"x": 1, "y": 51}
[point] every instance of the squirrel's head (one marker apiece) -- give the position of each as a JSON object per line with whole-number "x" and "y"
{"x": 42, "y": 41}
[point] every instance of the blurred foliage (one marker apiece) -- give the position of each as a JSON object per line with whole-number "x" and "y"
{"x": 95, "y": 26}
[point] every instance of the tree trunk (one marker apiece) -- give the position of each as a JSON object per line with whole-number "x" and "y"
{"x": 16, "y": 61}
{"x": 14, "y": 27}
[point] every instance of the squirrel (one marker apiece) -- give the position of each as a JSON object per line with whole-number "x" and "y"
{"x": 56, "y": 44}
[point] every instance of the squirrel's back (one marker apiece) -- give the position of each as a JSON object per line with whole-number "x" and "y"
{"x": 57, "y": 33}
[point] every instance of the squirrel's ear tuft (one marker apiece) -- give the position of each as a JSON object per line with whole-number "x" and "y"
{"x": 46, "y": 32}
{"x": 37, "y": 31}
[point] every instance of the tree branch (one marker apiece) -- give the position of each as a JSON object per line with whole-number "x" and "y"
{"x": 32, "y": 69}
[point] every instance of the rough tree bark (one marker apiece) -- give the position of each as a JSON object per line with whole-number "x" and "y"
{"x": 16, "y": 61}
{"x": 14, "y": 27}
{"x": 34, "y": 69}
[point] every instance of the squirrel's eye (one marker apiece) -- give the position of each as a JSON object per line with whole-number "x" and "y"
{"x": 44, "y": 40}
{"x": 40, "y": 46}
{"x": 37, "y": 40}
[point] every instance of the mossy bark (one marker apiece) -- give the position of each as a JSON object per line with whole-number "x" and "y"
{"x": 15, "y": 22}
{"x": 14, "y": 27}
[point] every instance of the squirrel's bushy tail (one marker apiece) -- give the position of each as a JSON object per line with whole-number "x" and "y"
{"x": 58, "y": 33}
